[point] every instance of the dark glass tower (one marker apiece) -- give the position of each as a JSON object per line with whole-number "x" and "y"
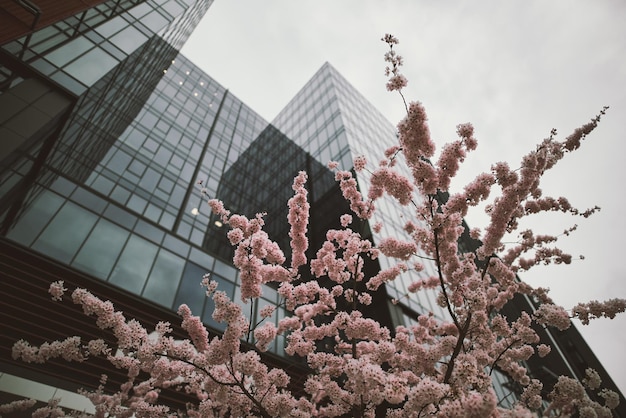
{"x": 331, "y": 120}
{"x": 106, "y": 133}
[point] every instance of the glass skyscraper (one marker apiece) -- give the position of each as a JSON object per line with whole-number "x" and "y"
{"x": 331, "y": 120}
{"x": 109, "y": 135}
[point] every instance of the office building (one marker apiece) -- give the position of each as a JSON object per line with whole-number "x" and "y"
{"x": 331, "y": 120}
{"x": 107, "y": 131}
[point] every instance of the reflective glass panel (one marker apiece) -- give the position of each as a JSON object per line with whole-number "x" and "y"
{"x": 69, "y": 51}
{"x": 134, "y": 265}
{"x": 164, "y": 279}
{"x": 190, "y": 292}
{"x": 99, "y": 253}
{"x": 66, "y": 232}
{"x": 35, "y": 218}
{"x": 128, "y": 40}
{"x": 91, "y": 66}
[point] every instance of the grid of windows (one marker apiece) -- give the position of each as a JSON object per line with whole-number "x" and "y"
{"x": 312, "y": 119}
{"x": 260, "y": 181}
{"x": 230, "y": 135}
{"x": 364, "y": 131}
{"x": 79, "y": 50}
{"x": 353, "y": 127}
{"x": 98, "y": 119}
{"x": 122, "y": 180}
{"x": 151, "y": 165}
{"x": 114, "y": 245}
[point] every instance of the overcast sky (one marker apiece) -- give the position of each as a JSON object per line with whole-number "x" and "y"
{"x": 515, "y": 69}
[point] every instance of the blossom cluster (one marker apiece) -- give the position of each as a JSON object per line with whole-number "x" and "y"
{"x": 396, "y": 80}
{"x": 432, "y": 365}
{"x": 298, "y": 220}
{"x": 595, "y": 309}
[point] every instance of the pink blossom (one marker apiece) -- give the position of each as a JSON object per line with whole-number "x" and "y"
{"x": 57, "y": 290}
{"x": 573, "y": 141}
{"x": 466, "y": 131}
{"x": 15, "y": 406}
{"x": 592, "y": 379}
{"x": 267, "y": 311}
{"x": 210, "y": 285}
{"x": 543, "y": 350}
{"x": 69, "y": 349}
{"x": 392, "y": 151}
{"x": 298, "y": 220}
{"x": 532, "y": 394}
{"x": 449, "y": 162}
{"x": 348, "y": 185}
{"x": 505, "y": 177}
{"x": 415, "y": 135}
{"x": 359, "y": 163}
{"x": 595, "y": 309}
{"x": 345, "y": 220}
{"x": 218, "y": 208}
{"x": 264, "y": 335}
{"x": 565, "y": 391}
{"x": 235, "y": 236}
{"x": 365, "y": 299}
{"x": 51, "y": 410}
{"x": 398, "y": 186}
{"x": 385, "y": 276}
{"x": 397, "y": 82}
{"x": 553, "y": 315}
{"x": 611, "y": 399}
{"x": 390, "y": 39}
{"x": 392, "y": 247}
{"x": 193, "y": 325}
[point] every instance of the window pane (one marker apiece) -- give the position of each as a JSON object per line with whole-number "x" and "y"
{"x": 155, "y": 21}
{"x": 150, "y": 179}
{"x": 35, "y": 218}
{"x": 91, "y": 66}
{"x": 128, "y": 40}
{"x": 190, "y": 292}
{"x": 67, "y": 231}
{"x": 99, "y": 253}
{"x": 140, "y": 10}
{"x": 134, "y": 265}
{"x": 164, "y": 279}
{"x": 225, "y": 270}
{"x": 119, "y": 161}
{"x": 173, "y": 8}
{"x": 109, "y": 28}
{"x": 69, "y": 51}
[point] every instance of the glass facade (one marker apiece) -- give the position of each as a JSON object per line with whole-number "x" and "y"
{"x": 148, "y": 125}
{"x": 115, "y": 194}
{"x": 330, "y": 119}
{"x": 97, "y": 111}
{"x": 78, "y": 51}
{"x": 111, "y": 131}
{"x": 122, "y": 212}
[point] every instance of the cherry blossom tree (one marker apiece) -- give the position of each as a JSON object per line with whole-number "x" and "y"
{"x": 439, "y": 366}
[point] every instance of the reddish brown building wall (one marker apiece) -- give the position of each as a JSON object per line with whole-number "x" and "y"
{"x": 16, "y": 20}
